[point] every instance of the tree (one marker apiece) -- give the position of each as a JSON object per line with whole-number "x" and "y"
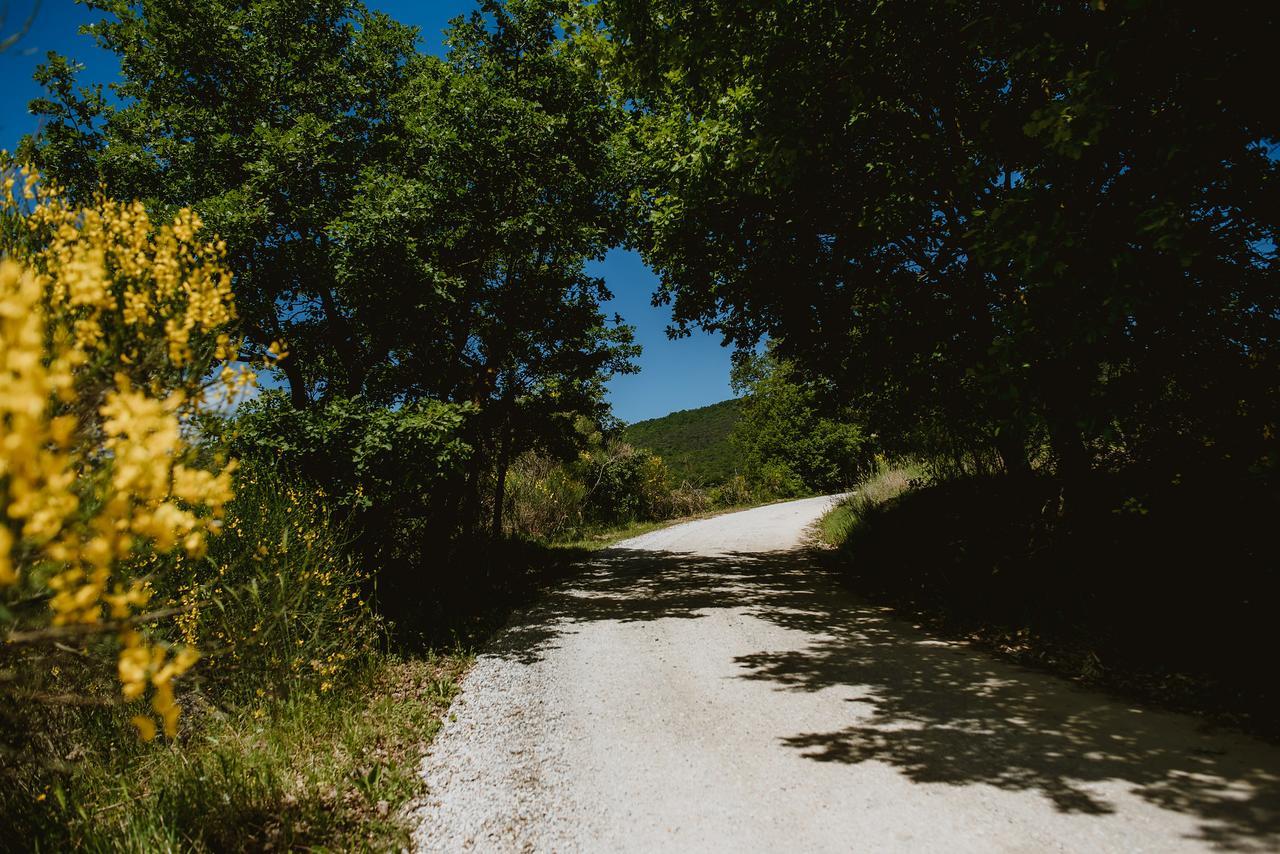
{"x": 788, "y": 441}
{"x": 471, "y": 246}
{"x": 259, "y": 115}
{"x": 1033, "y": 231}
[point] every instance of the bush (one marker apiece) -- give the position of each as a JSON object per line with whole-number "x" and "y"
{"x": 544, "y": 498}
{"x": 365, "y": 455}
{"x": 734, "y": 492}
{"x": 397, "y": 476}
{"x": 610, "y": 484}
{"x": 623, "y": 484}
{"x": 276, "y": 607}
{"x": 279, "y": 603}
{"x": 108, "y": 328}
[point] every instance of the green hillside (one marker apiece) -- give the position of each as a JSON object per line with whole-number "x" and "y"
{"x": 693, "y": 442}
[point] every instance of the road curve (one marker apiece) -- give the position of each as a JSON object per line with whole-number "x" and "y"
{"x": 705, "y": 688}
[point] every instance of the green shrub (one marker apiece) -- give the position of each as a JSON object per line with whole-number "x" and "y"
{"x": 734, "y": 492}
{"x": 610, "y": 484}
{"x": 277, "y": 608}
{"x": 398, "y": 476}
{"x": 279, "y": 601}
{"x": 623, "y": 484}
{"x": 366, "y": 456}
{"x": 545, "y": 500}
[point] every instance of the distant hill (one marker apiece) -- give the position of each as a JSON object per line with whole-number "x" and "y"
{"x": 694, "y": 443}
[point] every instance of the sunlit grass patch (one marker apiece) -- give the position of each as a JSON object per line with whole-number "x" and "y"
{"x": 886, "y": 484}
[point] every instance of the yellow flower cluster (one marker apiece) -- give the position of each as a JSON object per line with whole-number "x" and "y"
{"x": 151, "y": 301}
{"x": 34, "y": 464}
{"x": 107, "y": 331}
{"x": 142, "y": 664}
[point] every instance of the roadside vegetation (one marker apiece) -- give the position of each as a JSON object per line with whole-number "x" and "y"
{"x": 1104, "y": 598}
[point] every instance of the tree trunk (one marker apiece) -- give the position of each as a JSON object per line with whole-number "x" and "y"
{"x": 500, "y": 488}
{"x": 297, "y": 385}
{"x": 468, "y": 504}
{"x": 343, "y": 338}
{"x": 1072, "y": 464}
{"x": 1011, "y": 445}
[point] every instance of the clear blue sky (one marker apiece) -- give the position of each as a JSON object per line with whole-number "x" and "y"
{"x": 679, "y": 374}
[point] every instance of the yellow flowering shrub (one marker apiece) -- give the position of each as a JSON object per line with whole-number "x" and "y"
{"x": 280, "y": 607}
{"x": 113, "y": 337}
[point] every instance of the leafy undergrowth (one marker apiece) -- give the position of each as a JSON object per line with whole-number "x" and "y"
{"x": 1165, "y": 596}
{"x": 317, "y": 772}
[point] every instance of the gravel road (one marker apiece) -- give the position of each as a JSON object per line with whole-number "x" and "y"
{"x": 706, "y": 688}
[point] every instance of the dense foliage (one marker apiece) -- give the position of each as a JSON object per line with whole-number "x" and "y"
{"x": 409, "y": 228}
{"x": 1006, "y": 236}
{"x": 694, "y": 443}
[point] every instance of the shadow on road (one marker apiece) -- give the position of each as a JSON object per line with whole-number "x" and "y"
{"x": 940, "y": 713}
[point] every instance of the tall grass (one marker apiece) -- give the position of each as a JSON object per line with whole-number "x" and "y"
{"x": 328, "y": 770}
{"x": 869, "y": 496}
{"x": 280, "y": 602}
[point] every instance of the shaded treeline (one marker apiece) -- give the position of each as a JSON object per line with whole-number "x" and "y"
{"x": 1031, "y": 246}
{"x": 1035, "y": 241}
{"x": 1006, "y": 235}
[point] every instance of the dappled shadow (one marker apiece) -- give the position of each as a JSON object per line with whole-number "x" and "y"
{"x": 936, "y": 711}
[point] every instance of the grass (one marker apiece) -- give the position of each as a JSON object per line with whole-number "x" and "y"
{"x": 877, "y": 490}
{"x": 317, "y": 772}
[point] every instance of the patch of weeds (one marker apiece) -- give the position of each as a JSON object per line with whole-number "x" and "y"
{"x": 318, "y": 771}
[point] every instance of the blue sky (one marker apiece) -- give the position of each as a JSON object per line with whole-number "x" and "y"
{"x": 679, "y": 374}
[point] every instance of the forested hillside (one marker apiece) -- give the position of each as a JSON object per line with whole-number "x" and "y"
{"x": 694, "y": 443}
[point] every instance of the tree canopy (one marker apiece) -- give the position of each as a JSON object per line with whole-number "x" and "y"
{"x": 409, "y": 228}
{"x": 1045, "y": 229}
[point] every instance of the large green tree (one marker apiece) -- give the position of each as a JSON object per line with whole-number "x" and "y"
{"x": 470, "y": 245}
{"x": 1035, "y": 228}
{"x": 259, "y": 115}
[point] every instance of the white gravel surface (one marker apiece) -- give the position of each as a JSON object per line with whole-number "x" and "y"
{"x": 705, "y": 688}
